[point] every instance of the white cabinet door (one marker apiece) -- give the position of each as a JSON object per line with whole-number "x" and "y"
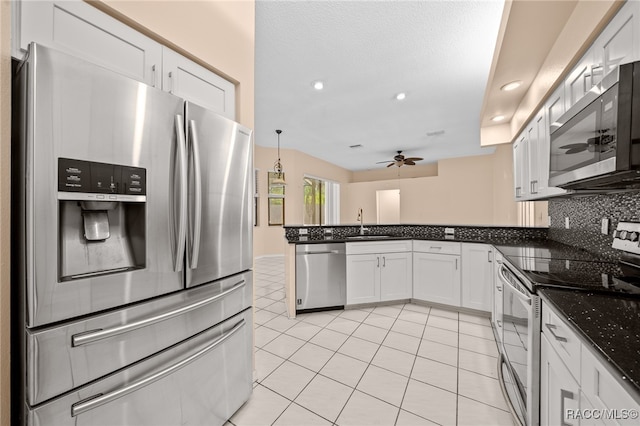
{"x": 477, "y": 276}
{"x": 534, "y": 160}
{"x": 396, "y": 278}
{"x": 559, "y": 392}
{"x": 520, "y": 167}
{"x": 363, "y": 278}
{"x": 603, "y": 391}
{"x": 579, "y": 81}
{"x": 80, "y": 29}
{"x": 619, "y": 42}
{"x": 555, "y": 107}
{"x": 436, "y": 278}
{"x": 196, "y": 84}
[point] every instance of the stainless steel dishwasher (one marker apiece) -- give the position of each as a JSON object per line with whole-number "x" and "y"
{"x": 321, "y": 275}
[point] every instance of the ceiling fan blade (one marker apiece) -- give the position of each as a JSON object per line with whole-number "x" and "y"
{"x": 574, "y": 145}
{"x": 390, "y": 164}
{"x": 409, "y": 163}
{"x": 388, "y": 161}
{"x": 576, "y": 150}
{"x": 413, "y": 159}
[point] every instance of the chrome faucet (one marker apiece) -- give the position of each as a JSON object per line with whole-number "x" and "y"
{"x": 361, "y": 220}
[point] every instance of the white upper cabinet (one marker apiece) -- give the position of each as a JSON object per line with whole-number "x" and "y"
{"x": 554, "y": 108}
{"x": 521, "y": 167}
{"x": 82, "y": 30}
{"x": 196, "y": 84}
{"x": 579, "y": 81}
{"x": 619, "y": 42}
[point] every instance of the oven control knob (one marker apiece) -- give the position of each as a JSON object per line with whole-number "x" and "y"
{"x": 633, "y": 236}
{"x": 623, "y": 235}
{"x": 617, "y": 234}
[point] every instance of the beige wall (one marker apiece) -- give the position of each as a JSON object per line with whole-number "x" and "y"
{"x": 469, "y": 190}
{"x": 5, "y": 177}
{"x": 391, "y": 173}
{"x": 269, "y": 240}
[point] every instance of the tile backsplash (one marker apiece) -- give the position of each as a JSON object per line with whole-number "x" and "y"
{"x": 585, "y": 218}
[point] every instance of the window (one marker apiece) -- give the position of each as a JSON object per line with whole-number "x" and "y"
{"x": 321, "y": 201}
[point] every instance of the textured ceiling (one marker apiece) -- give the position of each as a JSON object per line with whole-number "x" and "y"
{"x": 438, "y": 52}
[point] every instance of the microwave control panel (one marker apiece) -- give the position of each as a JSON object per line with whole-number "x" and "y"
{"x": 93, "y": 177}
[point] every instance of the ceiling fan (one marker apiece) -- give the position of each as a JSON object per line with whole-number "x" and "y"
{"x": 400, "y": 160}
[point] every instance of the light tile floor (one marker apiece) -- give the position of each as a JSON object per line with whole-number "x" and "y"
{"x": 404, "y": 364}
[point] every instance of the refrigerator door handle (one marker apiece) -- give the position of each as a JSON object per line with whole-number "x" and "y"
{"x": 195, "y": 236}
{"x": 182, "y": 203}
{"x": 92, "y": 403}
{"x": 86, "y": 338}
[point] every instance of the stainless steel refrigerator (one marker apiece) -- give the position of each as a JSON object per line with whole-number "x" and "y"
{"x": 133, "y": 251}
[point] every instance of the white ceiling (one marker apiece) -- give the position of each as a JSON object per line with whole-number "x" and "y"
{"x": 438, "y": 52}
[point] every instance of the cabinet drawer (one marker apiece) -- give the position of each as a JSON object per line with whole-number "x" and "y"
{"x": 372, "y": 247}
{"x": 604, "y": 392}
{"x": 439, "y": 247}
{"x": 562, "y": 339}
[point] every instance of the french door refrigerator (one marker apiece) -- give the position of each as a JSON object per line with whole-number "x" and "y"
{"x": 133, "y": 251}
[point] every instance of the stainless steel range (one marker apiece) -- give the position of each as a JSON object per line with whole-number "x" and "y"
{"x": 521, "y": 272}
{"x": 133, "y": 252}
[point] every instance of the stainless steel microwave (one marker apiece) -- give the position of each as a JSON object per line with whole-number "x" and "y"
{"x": 595, "y": 145}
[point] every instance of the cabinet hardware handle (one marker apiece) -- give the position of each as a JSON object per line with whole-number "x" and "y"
{"x": 499, "y": 323}
{"x": 378, "y": 261}
{"x": 384, "y": 261}
{"x": 564, "y": 394}
{"x": 489, "y": 256}
{"x": 153, "y": 70}
{"x": 170, "y": 82}
{"x": 551, "y": 329}
{"x": 499, "y": 288}
{"x": 456, "y": 264}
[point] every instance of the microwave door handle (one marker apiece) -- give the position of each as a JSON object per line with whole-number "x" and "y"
{"x": 526, "y": 299}
{"x": 195, "y": 246}
{"x": 182, "y": 198}
{"x": 101, "y": 399}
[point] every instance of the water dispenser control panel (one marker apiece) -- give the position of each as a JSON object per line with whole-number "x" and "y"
{"x": 101, "y": 178}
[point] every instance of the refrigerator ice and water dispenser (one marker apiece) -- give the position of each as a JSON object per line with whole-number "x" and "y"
{"x": 102, "y": 218}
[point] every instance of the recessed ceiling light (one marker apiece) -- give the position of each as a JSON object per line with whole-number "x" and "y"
{"x": 400, "y": 96}
{"x": 511, "y": 86}
{"x": 497, "y": 118}
{"x": 318, "y": 85}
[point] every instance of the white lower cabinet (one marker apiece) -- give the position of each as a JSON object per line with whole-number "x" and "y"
{"x": 576, "y": 387}
{"x": 477, "y": 276}
{"x": 559, "y": 391}
{"x": 436, "y": 278}
{"x": 377, "y": 275}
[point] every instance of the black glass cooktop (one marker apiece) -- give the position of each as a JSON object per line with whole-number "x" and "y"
{"x": 595, "y": 276}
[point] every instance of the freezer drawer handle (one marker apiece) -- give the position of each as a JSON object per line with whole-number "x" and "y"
{"x": 87, "y": 405}
{"x": 94, "y": 336}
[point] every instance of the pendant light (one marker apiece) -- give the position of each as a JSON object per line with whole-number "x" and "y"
{"x": 277, "y": 166}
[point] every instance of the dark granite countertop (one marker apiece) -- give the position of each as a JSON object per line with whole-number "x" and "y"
{"x": 303, "y": 239}
{"x": 610, "y": 324}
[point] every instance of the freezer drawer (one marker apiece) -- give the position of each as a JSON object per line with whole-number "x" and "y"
{"x": 201, "y": 381}
{"x": 321, "y": 274}
{"x": 62, "y": 358}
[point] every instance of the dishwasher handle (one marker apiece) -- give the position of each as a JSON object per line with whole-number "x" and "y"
{"x": 323, "y": 252}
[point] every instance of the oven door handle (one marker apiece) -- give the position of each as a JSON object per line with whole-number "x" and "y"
{"x": 101, "y": 399}
{"x": 526, "y": 299}
{"x": 96, "y": 335}
{"x": 503, "y": 388}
